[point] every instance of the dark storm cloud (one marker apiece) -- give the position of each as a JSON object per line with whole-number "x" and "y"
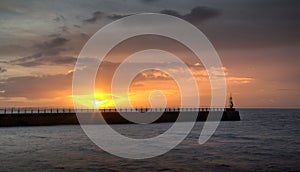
{"x": 32, "y": 87}
{"x": 196, "y": 15}
{"x": 48, "y": 53}
{"x": 2, "y": 70}
{"x": 96, "y": 16}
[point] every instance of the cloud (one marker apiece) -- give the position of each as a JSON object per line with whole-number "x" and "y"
{"x": 153, "y": 75}
{"x": 77, "y": 26}
{"x": 240, "y": 80}
{"x": 49, "y": 52}
{"x": 56, "y": 42}
{"x": 196, "y": 15}
{"x": 117, "y": 16}
{"x": 201, "y": 13}
{"x": 2, "y": 70}
{"x": 100, "y": 15}
{"x": 32, "y": 87}
{"x": 96, "y": 16}
{"x": 285, "y": 89}
{"x": 172, "y": 13}
{"x": 29, "y": 61}
{"x": 59, "y": 18}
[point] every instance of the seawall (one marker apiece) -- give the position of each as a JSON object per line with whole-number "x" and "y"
{"x": 111, "y": 117}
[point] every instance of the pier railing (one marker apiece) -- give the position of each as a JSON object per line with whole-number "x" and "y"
{"x": 83, "y": 110}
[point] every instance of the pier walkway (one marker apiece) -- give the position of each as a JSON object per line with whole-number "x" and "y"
{"x": 29, "y": 110}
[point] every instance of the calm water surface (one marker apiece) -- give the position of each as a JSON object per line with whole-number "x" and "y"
{"x": 265, "y": 140}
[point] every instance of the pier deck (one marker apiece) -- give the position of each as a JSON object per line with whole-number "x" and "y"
{"x": 60, "y": 116}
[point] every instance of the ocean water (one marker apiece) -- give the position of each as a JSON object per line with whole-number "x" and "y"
{"x": 264, "y": 140}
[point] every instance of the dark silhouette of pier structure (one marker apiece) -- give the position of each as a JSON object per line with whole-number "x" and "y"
{"x": 68, "y": 116}
{"x": 33, "y": 110}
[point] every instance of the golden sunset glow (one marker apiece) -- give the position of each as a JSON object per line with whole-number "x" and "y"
{"x": 96, "y": 100}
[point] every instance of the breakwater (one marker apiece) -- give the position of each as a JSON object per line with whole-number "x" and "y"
{"x": 43, "y": 117}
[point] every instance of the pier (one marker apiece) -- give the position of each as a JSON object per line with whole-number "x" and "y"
{"x": 68, "y": 116}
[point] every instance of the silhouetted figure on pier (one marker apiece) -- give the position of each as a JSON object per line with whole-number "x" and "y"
{"x": 230, "y": 102}
{"x": 231, "y": 105}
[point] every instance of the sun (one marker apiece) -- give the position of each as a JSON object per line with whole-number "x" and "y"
{"x": 98, "y": 100}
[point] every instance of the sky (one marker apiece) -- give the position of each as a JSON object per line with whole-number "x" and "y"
{"x": 258, "y": 42}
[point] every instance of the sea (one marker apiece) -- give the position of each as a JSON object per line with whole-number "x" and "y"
{"x": 264, "y": 140}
